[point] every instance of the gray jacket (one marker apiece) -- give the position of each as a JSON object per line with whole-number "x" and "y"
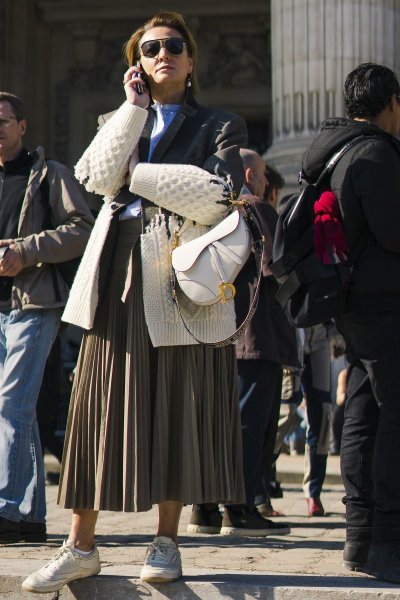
{"x": 40, "y": 284}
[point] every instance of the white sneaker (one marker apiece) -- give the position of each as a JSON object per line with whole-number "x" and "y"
{"x": 65, "y": 566}
{"x": 162, "y": 562}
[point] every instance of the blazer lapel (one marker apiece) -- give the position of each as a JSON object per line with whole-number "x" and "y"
{"x": 186, "y": 110}
{"x": 144, "y": 141}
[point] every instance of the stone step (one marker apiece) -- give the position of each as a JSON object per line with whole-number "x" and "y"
{"x": 122, "y": 583}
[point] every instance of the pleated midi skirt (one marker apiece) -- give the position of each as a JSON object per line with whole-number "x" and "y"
{"x": 146, "y": 424}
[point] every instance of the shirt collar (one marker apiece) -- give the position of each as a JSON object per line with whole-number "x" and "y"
{"x": 23, "y": 159}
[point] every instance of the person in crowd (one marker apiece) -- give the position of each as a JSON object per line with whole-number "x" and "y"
{"x": 338, "y": 413}
{"x": 33, "y": 191}
{"x": 154, "y": 417}
{"x": 274, "y": 186}
{"x": 47, "y": 407}
{"x": 287, "y": 427}
{"x": 319, "y": 341}
{"x": 366, "y": 182}
{"x": 267, "y": 343}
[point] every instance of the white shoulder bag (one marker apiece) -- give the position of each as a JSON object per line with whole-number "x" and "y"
{"x": 205, "y": 268}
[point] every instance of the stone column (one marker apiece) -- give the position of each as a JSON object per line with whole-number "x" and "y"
{"x": 315, "y": 44}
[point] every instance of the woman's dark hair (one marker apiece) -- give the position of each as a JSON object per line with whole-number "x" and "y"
{"x": 170, "y": 19}
{"x": 368, "y": 90}
{"x": 16, "y": 103}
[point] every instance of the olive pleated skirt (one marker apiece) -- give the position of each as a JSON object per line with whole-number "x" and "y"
{"x": 146, "y": 424}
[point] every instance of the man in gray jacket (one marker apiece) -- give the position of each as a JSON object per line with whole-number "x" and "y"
{"x": 44, "y": 220}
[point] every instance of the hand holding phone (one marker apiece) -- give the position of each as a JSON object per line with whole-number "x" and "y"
{"x": 136, "y": 90}
{"x": 138, "y": 86}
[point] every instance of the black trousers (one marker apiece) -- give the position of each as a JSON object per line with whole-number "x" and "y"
{"x": 260, "y": 384}
{"x": 361, "y": 418}
{"x": 370, "y": 451}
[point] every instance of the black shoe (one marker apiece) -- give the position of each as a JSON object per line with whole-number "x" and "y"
{"x": 275, "y": 490}
{"x": 383, "y": 561}
{"x": 245, "y": 522}
{"x": 53, "y": 477}
{"x": 9, "y": 531}
{"x": 33, "y": 532}
{"x": 205, "y": 518}
{"x": 355, "y": 554}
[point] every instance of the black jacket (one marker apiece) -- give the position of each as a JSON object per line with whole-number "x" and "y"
{"x": 366, "y": 182}
{"x": 269, "y": 335}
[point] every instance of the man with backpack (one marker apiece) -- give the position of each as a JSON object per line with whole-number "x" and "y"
{"x": 366, "y": 183}
{"x": 44, "y": 220}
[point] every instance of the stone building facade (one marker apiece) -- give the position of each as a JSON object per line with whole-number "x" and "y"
{"x": 279, "y": 63}
{"x": 64, "y": 58}
{"x": 315, "y": 43}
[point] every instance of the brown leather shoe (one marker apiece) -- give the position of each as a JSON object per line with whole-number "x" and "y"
{"x": 314, "y": 507}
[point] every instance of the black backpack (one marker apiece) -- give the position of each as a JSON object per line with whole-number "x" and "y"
{"x": 310, "y": 292}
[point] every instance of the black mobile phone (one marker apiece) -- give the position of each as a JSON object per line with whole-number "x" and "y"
{"x": 138, "y": 86}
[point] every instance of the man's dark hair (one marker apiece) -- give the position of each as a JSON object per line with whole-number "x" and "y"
{"x": 16, "y": 103}
{"x": 275, "y": 180}
{"x": 368, "y": 90}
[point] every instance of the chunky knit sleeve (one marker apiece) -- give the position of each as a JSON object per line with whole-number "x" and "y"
{"x": 183, "y": 189}
{"x": 104, "y": 165}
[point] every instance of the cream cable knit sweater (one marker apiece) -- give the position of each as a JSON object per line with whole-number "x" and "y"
{"x": 104, "y": 164}
{"x": 185, "y": 190}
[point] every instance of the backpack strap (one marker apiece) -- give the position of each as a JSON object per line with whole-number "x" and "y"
{"x": 332, "y": 162}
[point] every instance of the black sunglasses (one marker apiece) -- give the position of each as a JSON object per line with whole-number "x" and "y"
{"x": 174, "y": 45}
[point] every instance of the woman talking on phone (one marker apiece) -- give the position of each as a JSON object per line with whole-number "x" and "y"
{"x": 154, "y": 416}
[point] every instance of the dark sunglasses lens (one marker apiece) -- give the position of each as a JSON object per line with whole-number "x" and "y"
{"x": 174, "y": 45}
{"x": 151, "y": 48}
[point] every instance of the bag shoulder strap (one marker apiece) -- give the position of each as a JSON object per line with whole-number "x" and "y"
{"x": 259, "y": 249}
{"x": 332, "y": 162}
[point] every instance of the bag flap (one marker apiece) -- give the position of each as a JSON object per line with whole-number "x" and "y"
{"x": 183, "y": 257}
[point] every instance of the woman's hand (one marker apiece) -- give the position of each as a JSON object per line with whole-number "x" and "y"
{"x": 132, "y": 77}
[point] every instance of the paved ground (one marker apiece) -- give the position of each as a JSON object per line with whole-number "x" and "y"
{"x": 303, "y": 565}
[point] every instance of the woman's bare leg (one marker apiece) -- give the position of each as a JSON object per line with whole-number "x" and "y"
{"x": 82, "y": 528}
{"x": 169, "y": 514}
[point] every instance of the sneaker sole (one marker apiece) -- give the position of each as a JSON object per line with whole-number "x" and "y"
{"x": 55, "y": 587}
{"x": 203, "y": 529}
{"x": 155, "y": 579}
{"x": 253, "y": 532}
{"x": 158, "y": 577}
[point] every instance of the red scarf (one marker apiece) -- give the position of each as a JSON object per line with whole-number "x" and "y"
{"x": 329, "y": 239}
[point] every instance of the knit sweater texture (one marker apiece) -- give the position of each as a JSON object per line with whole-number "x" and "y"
{"x": 185, "y": 190}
